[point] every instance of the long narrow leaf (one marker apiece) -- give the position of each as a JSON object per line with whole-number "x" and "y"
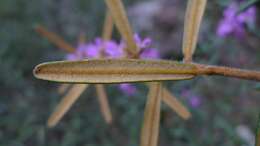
{"x": 151, "y": 124}
{"x": 104, "y": 105}
{"x": 54, "y": 38}
{"x": 108, "y": 27}
{"x": 194, "y": 14}
{"x": 175, "y": 104}
{"x": 63, "y": 88}
{"x": 118, "y": 13}
{"x": 132, "y": 70}
{"x": 113, "y": 71}
{"x": 65, "y": 104}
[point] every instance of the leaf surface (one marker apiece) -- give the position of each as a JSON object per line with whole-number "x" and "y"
{"x": 151, "y": 124}
{"x": 63, "y": 88}
{"x": 118, "y": 13}
{"x": 108, "y": 27}
{"x": 66, "y": 103}
{"x": 175, "y": 104}
{"x": 104, "y": 105}
{"x": 193, "y": 18}
{"x": 113, "y": 71}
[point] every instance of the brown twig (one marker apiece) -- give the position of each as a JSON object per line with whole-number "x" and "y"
{"x": 227, "y": 71}
{"x": 66, "y": 103}
{"x": 54, "y": 38}
{"x": 108, "y": 27}
{"x": 104, "y": 105}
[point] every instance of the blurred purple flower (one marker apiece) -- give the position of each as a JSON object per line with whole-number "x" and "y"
{"x": 128, "y": 89}
{"x": 145, "y": 43}
{"x": 93, "y": 50}
{"x": 80, "y": 53}
{"x": 193, "y": 100}
{"x": 113, "y": 49}
{"x": 233, "y": 23}
{"x": 150, "y": 54}
{"x": 110, "y": 49}
{"x": 146, "y": 52}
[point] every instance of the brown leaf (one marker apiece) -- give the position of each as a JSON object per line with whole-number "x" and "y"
{"x": 151, "y": 124}
{"x": 63, "y": 88}
{"x": 65, "y": 104}
{"x": 104, "y": 105}
{"x": 113, "y": 71}
{"x": 108, "y": 27}
{"x": 194, "y": 14}
{"x": 118, "y": 13}
{"x": 175, "y": 104}
{"x": 54, "y": 38}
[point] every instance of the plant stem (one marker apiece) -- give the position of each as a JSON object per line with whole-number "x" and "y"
{"x": 104, "y": 105}
{"x": 108, "y": 27}
{"x": 54, "y": 38}
{"x": 227, "y": 71}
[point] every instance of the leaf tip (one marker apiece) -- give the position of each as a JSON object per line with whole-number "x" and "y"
{"x": 51, "y": 123}
{"x": 36, "y": 71}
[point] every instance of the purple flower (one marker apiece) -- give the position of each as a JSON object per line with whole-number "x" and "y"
{"x": 146, "y": 52}
{"x": 145, "y": 43}
{"x": 113, "y": 50}
{"x": 150, "y": 54}
{"x": 93, "y": 49}
{"x": 128, "y": 89}
{"x": 80, "y": 53}
{"x": 233, "y": 23}
{"x": 193, "y": 100}
{"x": 96, "y": 49}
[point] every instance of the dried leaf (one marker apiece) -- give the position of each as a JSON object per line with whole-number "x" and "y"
{"x": 65, "y": 104}
{"x": 171, "y": 101}
{"x": 113, "y": 71}
{"x": 175, "y": 104}
{"x": 104, "y": 105}
{"x": 151, "y": 124}
{"x": 194, "y": 14}
{"x": 118, "y": 13}
{"x": 108, "y": 27}
{"x": 63, "y": 88}
{"x": 54, "y": 38}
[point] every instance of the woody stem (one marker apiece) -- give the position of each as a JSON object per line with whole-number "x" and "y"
{"x": 227, "y": 71}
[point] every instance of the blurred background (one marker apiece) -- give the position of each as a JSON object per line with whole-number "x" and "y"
{"x": 224, "y": 110}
